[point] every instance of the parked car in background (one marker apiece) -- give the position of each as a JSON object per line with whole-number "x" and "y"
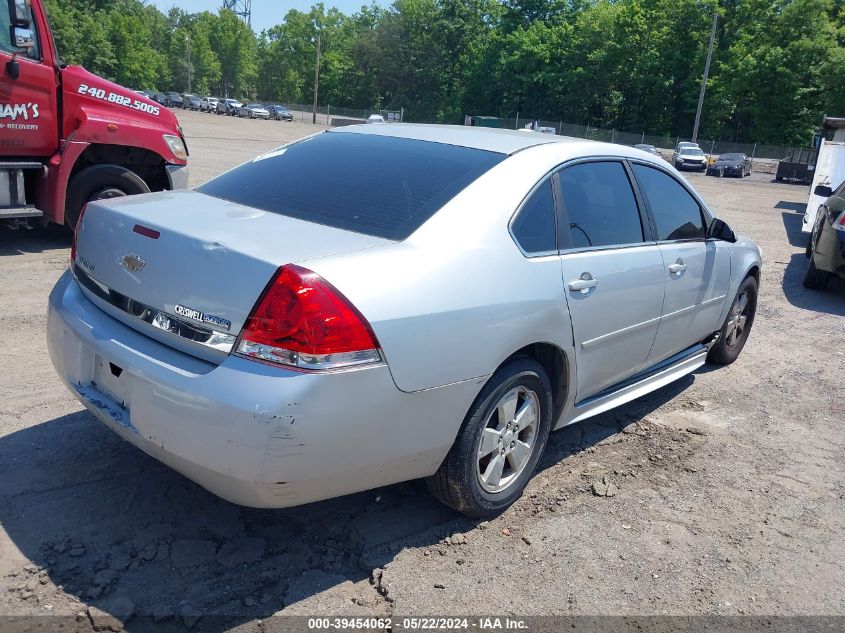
{"x": 159, "y": 97}
{"x": 826, "y": 246}
{"x": 684, "y": 144}
{"x": 689, "y": 158}
{"x": 208, "y": 104}
{"x": 651, "y": 149}
{"x": 319, "y": 353}
{"x": 228, "y": 106}
{"x": 175, "y": 100}
{"x": 375, "y": 118}
{"x": 192, "y": 102}
{"x": 730, "y": 165}
{"x": 253, "y": 111}
{"x": 280, "y": 113}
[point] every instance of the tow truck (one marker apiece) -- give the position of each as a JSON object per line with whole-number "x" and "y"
{"x": 829, "y": 172}
{"x": 68, "y": 136}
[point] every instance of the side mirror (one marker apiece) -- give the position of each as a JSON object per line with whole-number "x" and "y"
{"x": 823, "y": 190}
{"x": 22, "y": 38}
{"x": 20, "y": 13}
{"x": 719, "y": 230}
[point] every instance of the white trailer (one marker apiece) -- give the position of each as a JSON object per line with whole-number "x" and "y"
{"x": 830, "y": 169}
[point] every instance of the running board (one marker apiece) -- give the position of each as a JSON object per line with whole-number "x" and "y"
{"x": 28, "y": 211}
{"x": 637, "y": 387}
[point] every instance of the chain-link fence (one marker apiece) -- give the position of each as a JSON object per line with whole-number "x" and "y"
{"x": 664, "y": 142}
{"x": 764, "y": 155}
{"x": 335, "y": 116}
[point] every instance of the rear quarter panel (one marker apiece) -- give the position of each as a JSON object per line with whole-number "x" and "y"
{"x": 454, "y": 300}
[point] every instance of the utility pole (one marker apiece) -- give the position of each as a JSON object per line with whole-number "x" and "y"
{"x": 704, "y": 79}
{"x": 188, "y": 44}
{"x": 316, "y": 80}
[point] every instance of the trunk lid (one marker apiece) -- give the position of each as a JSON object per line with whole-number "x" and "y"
{"x": 198, "y": 258}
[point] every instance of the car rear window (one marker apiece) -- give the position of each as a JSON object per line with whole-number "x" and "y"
{"x": 377, "y": 185}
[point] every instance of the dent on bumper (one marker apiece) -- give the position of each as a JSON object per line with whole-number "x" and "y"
{"x": 251, "y": 433}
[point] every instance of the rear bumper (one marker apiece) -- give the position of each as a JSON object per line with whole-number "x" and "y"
{"x": 253, "y": 434}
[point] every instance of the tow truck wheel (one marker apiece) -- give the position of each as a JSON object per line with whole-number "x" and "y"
{"x": 100, "y": 182}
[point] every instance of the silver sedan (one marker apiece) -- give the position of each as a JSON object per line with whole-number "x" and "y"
{"x": 253, "y": 111}
{"x": 374, "y": 304}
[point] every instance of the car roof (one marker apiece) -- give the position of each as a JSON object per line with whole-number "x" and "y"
{"x": 483, "y": 138}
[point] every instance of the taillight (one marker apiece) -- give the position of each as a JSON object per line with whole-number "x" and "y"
{"x": 839, "y": 222}
{"x": 302, "y": 321}
{"x": 76, "y": 234}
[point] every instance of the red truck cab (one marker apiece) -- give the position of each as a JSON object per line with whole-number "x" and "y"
{"x": 68, "y": 136}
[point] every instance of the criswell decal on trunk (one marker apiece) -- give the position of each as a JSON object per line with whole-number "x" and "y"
{"x": 196, "y": 315}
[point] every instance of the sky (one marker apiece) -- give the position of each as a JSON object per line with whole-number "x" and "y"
{"x": 265, "y": 13}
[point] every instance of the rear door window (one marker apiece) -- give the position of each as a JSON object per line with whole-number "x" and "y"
{"x": 367, "y": 183}
{"x": 677, "y": 214}
{"x": 598, "y": 206}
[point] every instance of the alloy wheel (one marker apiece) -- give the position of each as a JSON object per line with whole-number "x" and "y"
{"x": 737, "y": 319}
{"x": 507, "y": 439}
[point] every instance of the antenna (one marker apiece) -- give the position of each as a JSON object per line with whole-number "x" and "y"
{"x": 242, "y": 8}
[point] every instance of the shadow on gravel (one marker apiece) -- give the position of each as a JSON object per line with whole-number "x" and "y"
{"x": 113, "y": 527}
{"x": 829, "y": 301}
{"x": 797, "y": 207}
{"x": 577, "y": 437}
{"x": 37, "y": 240}
{"x": 792, "y": 223}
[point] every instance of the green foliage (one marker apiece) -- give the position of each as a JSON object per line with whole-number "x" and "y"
{"x": 778, "y": 65}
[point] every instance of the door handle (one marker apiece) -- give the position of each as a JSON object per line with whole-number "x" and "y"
{"x": 678, "y": 267}
{"x": 583, "y": 284}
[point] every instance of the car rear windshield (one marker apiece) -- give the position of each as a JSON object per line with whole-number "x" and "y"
{"x": 367, "y": 183}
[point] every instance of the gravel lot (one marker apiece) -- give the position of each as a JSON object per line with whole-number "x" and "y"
{"x": 726, "y": 498}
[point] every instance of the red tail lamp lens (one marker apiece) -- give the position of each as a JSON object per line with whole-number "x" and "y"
{"x": 303, "y": 320}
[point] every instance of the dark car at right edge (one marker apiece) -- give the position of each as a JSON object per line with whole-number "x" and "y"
{"x": 826, "y": 247}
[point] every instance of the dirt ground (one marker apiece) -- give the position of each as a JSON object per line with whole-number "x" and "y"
{"x": 728, "y": 491}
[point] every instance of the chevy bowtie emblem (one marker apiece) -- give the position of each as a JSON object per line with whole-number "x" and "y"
{"x": 132, "y": 262}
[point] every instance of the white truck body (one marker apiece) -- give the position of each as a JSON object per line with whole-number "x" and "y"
{"x": 830, "y": 170}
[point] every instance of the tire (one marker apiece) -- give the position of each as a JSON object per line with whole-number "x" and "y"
{"x": 98, "y": 183}
{"x": 815, "y": 279}
{"x": 728, "y": 347}
{"x": 458, "y": 481}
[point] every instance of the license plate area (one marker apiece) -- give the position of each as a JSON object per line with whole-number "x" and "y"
{"x": 110, "y": 379}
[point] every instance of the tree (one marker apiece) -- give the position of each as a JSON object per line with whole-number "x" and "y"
{"x": 778, "y": 65}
